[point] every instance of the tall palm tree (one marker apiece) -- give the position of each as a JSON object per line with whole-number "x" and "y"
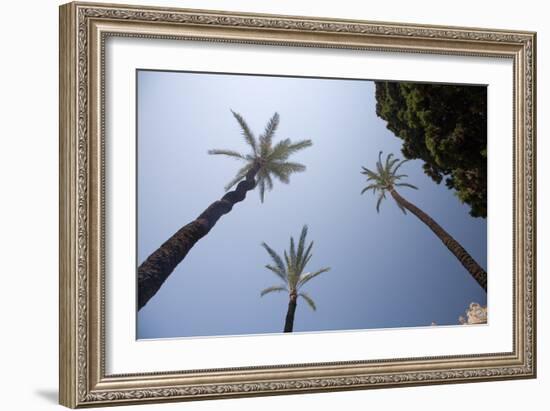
{"x": 265, "y": 161}
{"x": 385, "y": 179}
{"x": 291, "y": 273}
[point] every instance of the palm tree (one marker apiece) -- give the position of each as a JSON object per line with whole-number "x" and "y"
{"x": 386, "y": 179}
{"x": 291, "y": 273}
{"x": 265, "y": 161}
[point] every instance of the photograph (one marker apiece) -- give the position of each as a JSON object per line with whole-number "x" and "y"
{"x": 281, "y": 204}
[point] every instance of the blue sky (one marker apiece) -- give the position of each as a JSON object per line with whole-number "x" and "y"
{"x": 387, "y": 269}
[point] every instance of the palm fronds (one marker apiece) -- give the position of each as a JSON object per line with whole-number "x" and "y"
{"x": 304, "y": 278}
{"x": 273, "y": 289}
{"x": 267, "y": 137}
{"x": 276, "y": 258}
{"x": 229, "y": 153}
{"x": 309, "y": 300}
{"x": 290, "y": 268}
{"x": 246, "y": 132}
{"x": 240, "y": 175}
{"x": 267, "y": 159}
{"x": 385, "y": 178}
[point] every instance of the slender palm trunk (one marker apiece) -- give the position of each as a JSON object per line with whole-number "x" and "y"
{"x": 289, "y": 321}
{"x": 454, "y": 247}
{"x": 159, "y": 265}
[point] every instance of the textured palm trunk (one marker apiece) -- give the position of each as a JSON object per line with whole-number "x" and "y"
{"x": 289, "y": 321}
{"x": 454, "y": 247}
{"x": 154, "y": 271}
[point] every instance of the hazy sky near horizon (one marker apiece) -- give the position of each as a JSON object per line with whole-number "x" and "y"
{"x": 387, "y": 269}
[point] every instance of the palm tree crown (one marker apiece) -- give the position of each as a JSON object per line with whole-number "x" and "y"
{"x": 385, "y": 178}
{"x": 291, "y": 271}
{"x": 265, "y": 159}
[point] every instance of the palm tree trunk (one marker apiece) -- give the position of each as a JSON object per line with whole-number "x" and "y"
{"x": 454, "y": 247}
{"x": 159, "y": 265}
{"x": 289, "y": 321}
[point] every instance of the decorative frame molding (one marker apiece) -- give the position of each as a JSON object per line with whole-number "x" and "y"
{"x": 83, "y": 30}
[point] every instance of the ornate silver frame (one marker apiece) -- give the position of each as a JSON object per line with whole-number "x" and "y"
{"x": 83, "y": 30}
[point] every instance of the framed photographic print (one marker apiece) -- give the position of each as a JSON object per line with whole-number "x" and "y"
{"x": 259, "y": 204}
